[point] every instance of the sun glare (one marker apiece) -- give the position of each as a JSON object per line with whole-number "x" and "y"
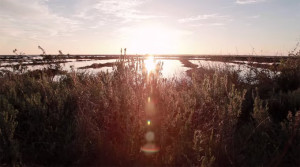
{"x": 153, "y": 39}
{"x": 150, "y": 64}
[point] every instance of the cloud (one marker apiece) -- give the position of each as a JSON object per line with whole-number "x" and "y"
{"x": 208, "y": 24}
{"x": 206, "y": 19}
{"x": 115, "y": 11}
{"x": 242, "y": 2}
{"x": 117, "y": 7}
{"x": 197, "y": 18}
{"x": 254, "y": 17}
{"x": 31, "y": 19}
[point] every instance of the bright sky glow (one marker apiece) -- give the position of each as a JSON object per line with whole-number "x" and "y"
{"x": 150, "y": 64}
{"x": 150, "y": 26}
{"x": 153, "y": 39}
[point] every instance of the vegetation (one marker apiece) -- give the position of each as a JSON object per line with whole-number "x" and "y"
{"x": 212, "y": 118}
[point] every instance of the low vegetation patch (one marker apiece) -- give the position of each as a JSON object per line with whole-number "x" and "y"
{"x": 212, "y": 118}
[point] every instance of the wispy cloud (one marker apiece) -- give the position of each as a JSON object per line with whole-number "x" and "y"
{"x": 207, "y": 24}
{"x": 248, "y": 1}
{"x": 200, "y": 17}
{"x": 254, "y": 17}
{"x": 117, "y": 7}
{"x": 32, "y": 18}
{"x": 206, "y": 19}
{"x": 116, "y": 10}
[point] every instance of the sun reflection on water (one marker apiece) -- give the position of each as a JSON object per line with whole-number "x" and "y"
{"x": 150, "y": 64}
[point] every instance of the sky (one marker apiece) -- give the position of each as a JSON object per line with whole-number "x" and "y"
{"x": 258, "y": 27}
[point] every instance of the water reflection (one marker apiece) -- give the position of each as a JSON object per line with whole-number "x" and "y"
{"x": 171, "y": 67}
{"x": 150, "y": 64}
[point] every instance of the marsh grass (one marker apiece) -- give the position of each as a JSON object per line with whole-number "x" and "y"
{"x": 213, "y": 118}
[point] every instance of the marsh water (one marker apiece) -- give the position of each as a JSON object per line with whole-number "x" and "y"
{"x": 172, "y": 66}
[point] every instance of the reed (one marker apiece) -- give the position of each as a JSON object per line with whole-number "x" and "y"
{"x": 213, "y": 118}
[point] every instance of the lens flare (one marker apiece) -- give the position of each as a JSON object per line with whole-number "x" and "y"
{"x": 148, "y": 122}
{"x": 150, "y": 109}
{"x": 150, "y": 148}
{"x": 149, "y": 136}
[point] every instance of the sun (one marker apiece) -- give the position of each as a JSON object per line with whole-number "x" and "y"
{"x": 153, "y": 39}
{"x": 150, "y": 64}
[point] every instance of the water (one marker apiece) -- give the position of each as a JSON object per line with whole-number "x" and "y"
{"x": 171, "y": 67}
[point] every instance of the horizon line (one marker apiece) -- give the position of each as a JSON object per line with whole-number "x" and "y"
{"x": 204, "y": 55}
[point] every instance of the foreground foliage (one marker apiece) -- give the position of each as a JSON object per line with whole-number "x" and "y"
{"x": 213, "y": 118}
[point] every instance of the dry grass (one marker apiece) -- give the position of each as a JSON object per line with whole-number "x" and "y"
{"x": 212, "y": 119}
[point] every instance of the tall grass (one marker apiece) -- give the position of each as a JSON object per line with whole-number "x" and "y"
{"x": 213, "y": 119}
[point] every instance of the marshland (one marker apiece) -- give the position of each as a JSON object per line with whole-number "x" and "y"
{"x": 207, "y": 116}
{"x": 195, "y": 83}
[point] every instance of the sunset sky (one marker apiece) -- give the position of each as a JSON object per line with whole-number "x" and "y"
{"x": 268, "y": 27}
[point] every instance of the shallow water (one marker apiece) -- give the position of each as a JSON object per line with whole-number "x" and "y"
{"x": 171, "y": 67}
